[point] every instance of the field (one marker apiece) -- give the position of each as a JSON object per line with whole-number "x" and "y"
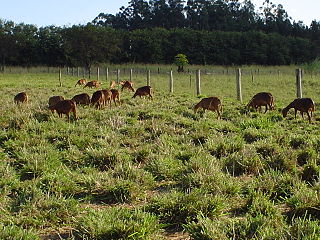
{"x": 152, "y": 169}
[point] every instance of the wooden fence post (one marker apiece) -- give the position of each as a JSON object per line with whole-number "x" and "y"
{"x": 98, "y": 74}
{"x": 107, "y": 74}
{"x": 198, "y": 82}
{"x": 298, "y": 82}
{"x": 148, "y": 78}
{"x": 118, "y": 75}
{"x": 78, "y": 71}
{"x": 60, "y": 76}
{"x": 238, "y": 83}
{"x": 130, "y": 75}
{"x": 171, "y": 82}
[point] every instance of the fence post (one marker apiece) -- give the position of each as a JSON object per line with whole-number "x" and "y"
{"x": 238, "y": 83}
{"x": 131, "y": 75}
{"x": 60, "y": 75}
{"x": 171, "y": 82}
{"x": 148, "y": 78}
{"x": 78, "y": 71}
{"x": 98, "y": 74}
{"x": 107, "y": 74}
{"x": 198, "y": 82}
{"x": 298, "y": 82}
{"x": 118, "y": 75}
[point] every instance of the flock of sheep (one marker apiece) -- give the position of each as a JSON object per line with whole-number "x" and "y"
{"x": 104, "y": 97}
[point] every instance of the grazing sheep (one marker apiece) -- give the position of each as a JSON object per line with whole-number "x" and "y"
{"x": 143, "y": 91}
{"x": 98, "y": 99}
{"x": 65, "y": 107}
{"x": 115, "y": 96}
{"x": 261, "y": 99}
{"x": 54, "y": 100}
{"x": 126, "y": 85}
{"x": 210, "y": 103}
{"x": 112, "y": 84}
{"x": 302, "y": 105}
{"x": 92, "y": 84}
{"x": 83, "y": 99}
{"x": 81, "y": 82}
{"x": 107, "y": 96}
{"x": 21, "y": 98}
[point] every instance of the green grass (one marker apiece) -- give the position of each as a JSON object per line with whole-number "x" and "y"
{"x": 136, "y": 170}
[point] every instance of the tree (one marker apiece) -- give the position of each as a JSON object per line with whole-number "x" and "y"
{"x": 181, "y": 60}
{"x": 88, "y": 45}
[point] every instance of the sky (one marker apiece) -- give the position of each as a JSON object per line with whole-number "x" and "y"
{"x": 72, "y": 12}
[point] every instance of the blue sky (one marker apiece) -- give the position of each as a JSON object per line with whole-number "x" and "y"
{"x": 69, "y": 12}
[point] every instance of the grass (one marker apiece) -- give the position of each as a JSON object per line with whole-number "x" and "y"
{"x": 137, "y": 170}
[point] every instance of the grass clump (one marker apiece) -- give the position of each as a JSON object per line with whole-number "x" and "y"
{"x": 117, "y": 223}
{"x": 176, "y": 208}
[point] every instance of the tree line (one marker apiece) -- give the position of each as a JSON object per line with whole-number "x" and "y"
{"x": 207, "y": 32}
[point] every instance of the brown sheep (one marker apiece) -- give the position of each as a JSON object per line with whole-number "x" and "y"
{"x": 143, "y": 91}
{"x": 107, "y": 96}
{"x": 81, "y": 82}
{"x": 65, "y": 107}
{"x": 92, "y": 84}
{"x": 21, "y": 98}
{"x": 54, "y": 100}
{"x": 115, "y": 96}
{"x": 98, "y": 99}
{"x": 126, "y": 85}
{"x": 83, "y": 99}
{"x": 210, "y": 103}
{"x": 261, "y": 99}
{"x": 112, "y": 84}
{"x": 300, "y": 104}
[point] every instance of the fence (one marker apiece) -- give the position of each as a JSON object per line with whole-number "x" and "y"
{"x": 192, "y": 76}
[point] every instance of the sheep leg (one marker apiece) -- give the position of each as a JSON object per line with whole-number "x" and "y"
{"x": 309, "y": 117}
{"x": 295, "y": 113}
{"x": 301, "y": 114}
{"x": 219, "y": 115}
{"x": 266, "y": 109}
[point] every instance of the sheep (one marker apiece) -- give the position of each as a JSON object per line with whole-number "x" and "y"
{"x": 115, "y": 96}
{"x": 300, "y": 104}
{"x": 98, "y": 99}
{"x": 112, "y": 84}
{"x": 126, "y": 85}
{"x": 82, "y": 98}
{"x": 21, "y": 97}
{"x": 107, "y": 96}
{"x": 92, "y": 84}
{"x": 81, "y": 82}
{"x": 64, "y": 107}
{"x": 55, "y": 99}
{"x": 210, "y": 103}
{"x": 261, "y": 99}
{"x": 143, "y": 91}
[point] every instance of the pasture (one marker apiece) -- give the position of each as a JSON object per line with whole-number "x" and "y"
{"x": 152, "y": 169}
